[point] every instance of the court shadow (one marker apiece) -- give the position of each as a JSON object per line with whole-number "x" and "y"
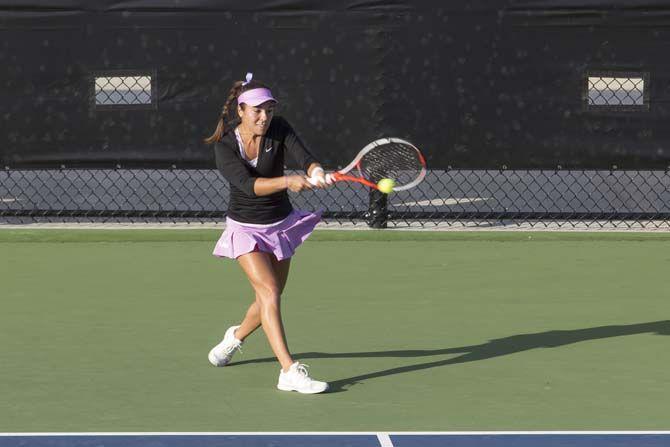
{"x": 491, "y": 349}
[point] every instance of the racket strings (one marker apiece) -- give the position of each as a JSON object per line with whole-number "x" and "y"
{"x": 396, "y": 161}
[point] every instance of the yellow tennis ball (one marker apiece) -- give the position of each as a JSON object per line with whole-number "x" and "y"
{"x": 386, "y": 185}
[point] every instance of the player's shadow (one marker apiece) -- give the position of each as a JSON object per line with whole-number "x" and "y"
{"x": 493, "y": 348}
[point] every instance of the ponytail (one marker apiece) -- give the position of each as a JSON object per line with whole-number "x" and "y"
{"x": 224, "y": 118}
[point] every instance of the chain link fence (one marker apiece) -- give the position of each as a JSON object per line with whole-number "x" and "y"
{"x": 453, "y": 198}
{"x": 617, "y": 91}
{"x": 557, "y": 198}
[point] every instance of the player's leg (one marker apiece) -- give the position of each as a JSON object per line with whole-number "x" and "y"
{"x": 223, "y": 352}
{"x": 252, "y": 319}
{"x": 266, "y": 283}
{"x": 265, "y": 280}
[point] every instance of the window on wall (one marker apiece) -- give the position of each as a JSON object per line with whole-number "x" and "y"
{"x": 124, "y": 90}
{"x": 610, "y": 90}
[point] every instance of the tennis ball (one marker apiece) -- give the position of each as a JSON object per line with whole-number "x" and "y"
{"x": 386, "y": 185}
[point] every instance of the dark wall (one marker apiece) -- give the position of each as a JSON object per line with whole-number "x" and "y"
{"x": 475, "y": 84}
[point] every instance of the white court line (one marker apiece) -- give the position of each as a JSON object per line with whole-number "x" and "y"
{"x": 384, "y": 440}
{"x": 336, "y": 433}
{"x": 443, "y": 202}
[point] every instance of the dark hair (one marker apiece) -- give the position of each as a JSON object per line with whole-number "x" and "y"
{"x": 229, "y": 117}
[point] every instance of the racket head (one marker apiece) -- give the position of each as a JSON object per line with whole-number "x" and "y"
{"x": 392, "y": 158}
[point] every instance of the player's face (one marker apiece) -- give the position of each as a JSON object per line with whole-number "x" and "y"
{"x": 256, "y": 119}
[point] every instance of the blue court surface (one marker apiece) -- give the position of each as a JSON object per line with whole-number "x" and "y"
{"x": 333, "y": 439}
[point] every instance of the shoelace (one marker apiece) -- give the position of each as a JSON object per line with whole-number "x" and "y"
{"x": 302, "y": 369}
{"x": 230, "y": 349}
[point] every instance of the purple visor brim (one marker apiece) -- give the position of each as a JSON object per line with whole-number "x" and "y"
{"x": 255, "y": 97}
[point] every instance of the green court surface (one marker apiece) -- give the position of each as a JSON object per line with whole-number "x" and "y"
{"x": 110, "y": 330}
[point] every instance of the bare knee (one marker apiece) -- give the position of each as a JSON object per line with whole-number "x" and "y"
{"x": 268, "y": 296}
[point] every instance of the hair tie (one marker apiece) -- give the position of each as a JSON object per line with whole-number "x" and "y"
{"x": 248, "y": 78}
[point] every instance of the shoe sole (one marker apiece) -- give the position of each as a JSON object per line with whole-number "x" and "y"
{"x": 288, "y": 388}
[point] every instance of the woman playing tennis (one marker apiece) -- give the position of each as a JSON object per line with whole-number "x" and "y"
{"x": 262, "y": 228}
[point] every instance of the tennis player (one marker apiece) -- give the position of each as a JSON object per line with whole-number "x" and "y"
{"x": 263, "y": 229}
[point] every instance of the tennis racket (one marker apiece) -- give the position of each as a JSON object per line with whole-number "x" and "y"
{"x": 386, "y": 158}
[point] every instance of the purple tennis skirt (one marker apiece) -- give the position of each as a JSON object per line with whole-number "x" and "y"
{"x": 280, "y": 239}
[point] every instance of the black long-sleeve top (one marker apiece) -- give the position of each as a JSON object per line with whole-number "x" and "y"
{"x": 244, "y": 205}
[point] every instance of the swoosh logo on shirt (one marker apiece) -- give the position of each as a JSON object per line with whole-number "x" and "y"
{"x": 268, "y": 149}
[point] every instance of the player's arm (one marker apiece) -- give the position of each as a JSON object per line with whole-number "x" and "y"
{"x": 298, "y": 152}
{"x": 268, "y": 186}
{"x": 233, "y": 169}
{"x": 237, "y": 173}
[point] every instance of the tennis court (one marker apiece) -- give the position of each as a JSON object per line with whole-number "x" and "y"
{"x": 490, "y": 186}
{"x": 108, "y": 331}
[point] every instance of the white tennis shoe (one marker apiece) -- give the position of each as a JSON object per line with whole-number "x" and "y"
{"x": 297, "y": 379}
{"x": 221, "y": 354}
